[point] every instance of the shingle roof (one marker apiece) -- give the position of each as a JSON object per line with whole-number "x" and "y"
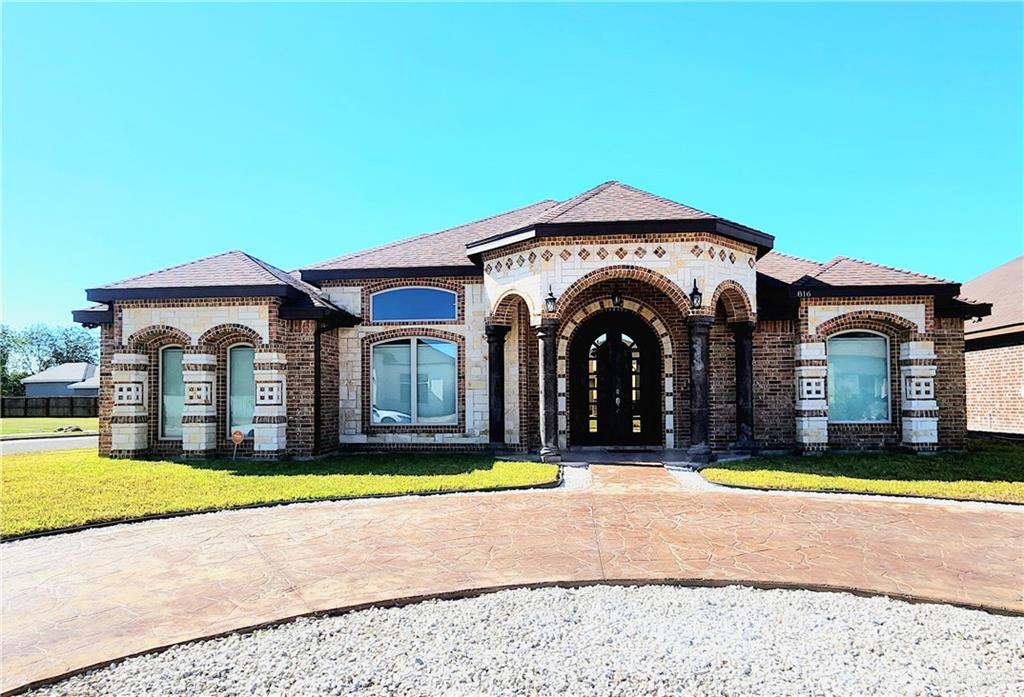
{"x": 1003, "y": 286}
{"x": 65, "y": 372}
{"x": 90, "y": 383}
{"x": 617, "y": 202}
{"x": 443, "y": 248}
{"x": 786, "y": 268}
{"x": 844, "y": 271}
{"x": 227, "y": 269}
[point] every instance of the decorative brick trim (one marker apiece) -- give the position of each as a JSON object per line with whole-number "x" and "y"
{"x": 199, "y": 419}
{"x": 737, "y": 304}
{"x": 216, "y": 336}
{"x": 623, "y": 272}
{"x": 456, "y": 286}
{"x": 158, "y": 335}
{"x": 367, "y": 343}
{"x": 507, "y": 307}
{"x": 137, "y": 419}
{"x": 877, "y": 320}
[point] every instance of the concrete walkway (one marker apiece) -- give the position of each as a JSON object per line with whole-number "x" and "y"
{"x": 17, "y": 446}
{"x": 76, "y": 600}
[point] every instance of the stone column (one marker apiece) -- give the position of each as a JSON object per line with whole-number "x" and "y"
{"x": 129, "y": 419}
{"x": 496, "y": 381}
{"x": 547, "y": 335}
{"x": 270, "y": 420}
{"x": 744, "y": 335}
{"x": 920, "y": 410}
{"x": 811, "y": 369}
{"x": 700, "y": 448}
{"x": 199, "y": 413}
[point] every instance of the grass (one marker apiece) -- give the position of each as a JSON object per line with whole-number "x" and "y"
{"x": 987, "y": 471}
{"x": 49, "y": 491}
{"x": 32, "y": 426}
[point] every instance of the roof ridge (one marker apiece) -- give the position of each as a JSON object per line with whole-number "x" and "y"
{"x": 792, "y": 256}
{"x": 576, "y": 200}
{"x": 892, "y": 268}
{"x": 668, "y": 200}
{"x": 405, "y": 240}
{"x": 173, "y": 267}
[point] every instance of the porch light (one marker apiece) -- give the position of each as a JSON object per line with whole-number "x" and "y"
{"x": 550, "y": 302}
{"x": 695, "y": 295}
{"x": 617, "y": 298}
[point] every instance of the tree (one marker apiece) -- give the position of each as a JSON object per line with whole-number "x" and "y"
{"x": 39, "y": 347}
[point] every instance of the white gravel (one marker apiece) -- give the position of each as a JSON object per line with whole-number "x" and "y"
{"x": 601, "y": 640}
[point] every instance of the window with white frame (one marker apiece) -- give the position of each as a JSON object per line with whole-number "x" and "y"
{"x": 396, "y": 398}
{"x": 172, "y": 392}
{"x": 858, "y": 378}
{"x": 413, "y": 304}
{"x": 241, "y": 389}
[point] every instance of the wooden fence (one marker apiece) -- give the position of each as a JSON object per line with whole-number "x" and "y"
{"x": 15, "y": 407}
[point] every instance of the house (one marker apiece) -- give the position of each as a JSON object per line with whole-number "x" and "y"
{"x": 90, "y": 387}
{"x": 995, "y": 352}
{"x": 616, "y": 318}
{"x": 57, "y": 380}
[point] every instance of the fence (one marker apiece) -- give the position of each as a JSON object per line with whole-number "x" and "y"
{"x": 14, "y": 407}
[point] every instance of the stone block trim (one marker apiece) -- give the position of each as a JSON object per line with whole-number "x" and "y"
{"x": 624, "y": 273}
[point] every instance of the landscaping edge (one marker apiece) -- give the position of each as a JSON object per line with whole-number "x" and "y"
{"x": 480, "y": 591}
{"x": 553, "y": 484}
{"x": 936, "y": 499}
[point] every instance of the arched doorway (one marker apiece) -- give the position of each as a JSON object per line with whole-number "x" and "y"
{"x": 615, "y": 382}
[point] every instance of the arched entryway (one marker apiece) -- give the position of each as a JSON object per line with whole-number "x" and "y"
{"x": 615, "y": 379}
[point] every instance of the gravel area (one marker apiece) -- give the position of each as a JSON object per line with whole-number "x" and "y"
{"x": 601, "y": 640}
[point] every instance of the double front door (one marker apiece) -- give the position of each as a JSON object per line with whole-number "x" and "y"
{"x": 615, "y": 369}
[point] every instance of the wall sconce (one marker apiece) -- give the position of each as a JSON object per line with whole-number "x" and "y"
{"x": 695, "y": 296}
{"x": 550, "y": 303}
{"x": 616, "y": 298}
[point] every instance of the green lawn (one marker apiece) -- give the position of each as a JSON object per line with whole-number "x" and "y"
{"x": 987, "y": 471}
{"x": 48, "y": 491}
{"x": 31, "y": 425}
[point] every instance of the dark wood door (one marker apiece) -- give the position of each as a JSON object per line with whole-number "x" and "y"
{"x": 615, "y": 371}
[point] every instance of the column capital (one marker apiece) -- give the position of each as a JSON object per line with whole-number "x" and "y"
{"x": 699, "y": 323}
{"x": 744, "y": 328}
{"x": 496, "y": 332}
{"x": 548, "y": 327}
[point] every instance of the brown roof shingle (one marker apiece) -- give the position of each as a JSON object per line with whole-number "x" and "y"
{"x": 786, "y": 268}
{"x": 1003, "y": 286}
{"x": 617, "y": 202}
{"x": 844, "y": 271}
{"x": 443, "y": 248}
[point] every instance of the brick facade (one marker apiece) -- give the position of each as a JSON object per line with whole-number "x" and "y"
{"x": 995, "y": 389}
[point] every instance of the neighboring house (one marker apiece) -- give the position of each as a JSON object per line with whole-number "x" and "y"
{"x": 90, "y": 387}
{"x": 58, "y": 380}
{"x": 995, "y": 351}
{"x": 615, "y": 318}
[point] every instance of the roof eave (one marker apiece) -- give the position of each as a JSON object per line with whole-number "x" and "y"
{"x": 93, "y": 318}
{"x": 808, "y": 287}
{"x": 319, "y": 275}
{"x": 173, "y": 293}
{"x": 761, "y": 240}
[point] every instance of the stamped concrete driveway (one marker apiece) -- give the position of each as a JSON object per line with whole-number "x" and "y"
{"x": 76, "y": 600}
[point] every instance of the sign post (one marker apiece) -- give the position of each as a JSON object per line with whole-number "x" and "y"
{"x": 236, "y": 438}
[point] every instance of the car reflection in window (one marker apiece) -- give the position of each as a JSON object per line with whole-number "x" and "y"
{"x": 387, "y": 416}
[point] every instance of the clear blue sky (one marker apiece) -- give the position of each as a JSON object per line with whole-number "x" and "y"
{"x": 139, "y": 136}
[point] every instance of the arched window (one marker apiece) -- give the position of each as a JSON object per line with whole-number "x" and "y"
{"x": 241, "y": 389}
{"x": 172, "y": 392}
{"x": 413, "y": 304}
{"x": 858, "y": 378}
{"x": 430, "y": 398}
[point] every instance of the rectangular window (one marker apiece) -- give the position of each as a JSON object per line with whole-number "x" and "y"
{"x": 858, "y": 378}
{"x": 241, "y": 390}
{"x": 172, "y": 393}
{"x": 429, "y": 399}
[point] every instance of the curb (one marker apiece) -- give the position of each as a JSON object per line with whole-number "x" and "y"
{"x": 485, "y": 590}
